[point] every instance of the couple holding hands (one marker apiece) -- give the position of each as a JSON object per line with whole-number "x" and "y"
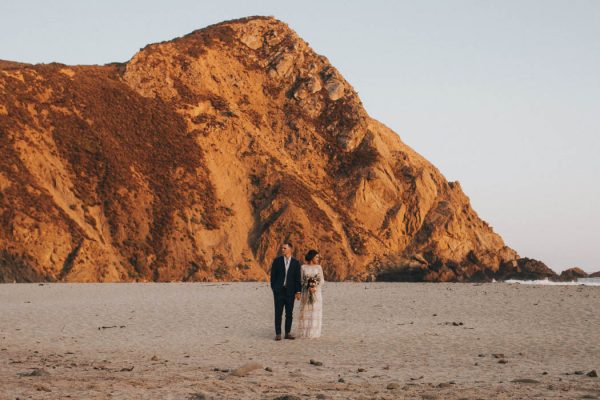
{"x": 291, "y": 281}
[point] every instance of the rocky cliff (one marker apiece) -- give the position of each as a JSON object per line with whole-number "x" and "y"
{"x": 195, "y": 159}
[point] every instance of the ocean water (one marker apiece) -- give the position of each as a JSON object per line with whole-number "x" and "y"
{"x": 580, "y": 281}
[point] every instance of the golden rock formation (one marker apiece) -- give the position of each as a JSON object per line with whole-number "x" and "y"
{"x": 198, "y": 157}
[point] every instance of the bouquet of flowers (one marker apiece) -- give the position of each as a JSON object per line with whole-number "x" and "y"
{"x": 309, "y": 282}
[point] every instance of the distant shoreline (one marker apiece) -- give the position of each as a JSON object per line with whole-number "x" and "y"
{"x": 580, "y": 281}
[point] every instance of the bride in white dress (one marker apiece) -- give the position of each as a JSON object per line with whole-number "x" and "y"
{"x": 311, "y": 303}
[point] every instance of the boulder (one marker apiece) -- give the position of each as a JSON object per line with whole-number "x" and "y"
{"x": 572, "y": 274}
{"x": 524, "y": 269}
{"x": 335, "y": 89}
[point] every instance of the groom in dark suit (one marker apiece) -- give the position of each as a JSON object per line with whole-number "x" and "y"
{"x": 286, "y": 285}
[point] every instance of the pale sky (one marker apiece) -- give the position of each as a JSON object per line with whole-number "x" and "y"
{"x": 503, "y": 96}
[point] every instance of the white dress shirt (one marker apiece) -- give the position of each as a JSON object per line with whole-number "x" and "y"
{"x": 287, "y": 262}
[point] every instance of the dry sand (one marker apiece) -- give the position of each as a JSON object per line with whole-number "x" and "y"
{"x": 177, "y": 341}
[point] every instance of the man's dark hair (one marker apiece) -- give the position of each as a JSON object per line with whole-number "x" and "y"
{"x": 289, "y": 244}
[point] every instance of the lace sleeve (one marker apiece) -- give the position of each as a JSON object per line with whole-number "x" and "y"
{"x": 321, "y": 276}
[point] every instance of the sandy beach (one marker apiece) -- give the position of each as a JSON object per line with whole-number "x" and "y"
{"x": 380, "y": 341}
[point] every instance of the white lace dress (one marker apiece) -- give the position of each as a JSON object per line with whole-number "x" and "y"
{"x": 311, "y": 314}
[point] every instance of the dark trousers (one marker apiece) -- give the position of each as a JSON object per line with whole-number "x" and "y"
{"x": 283, "y": 300}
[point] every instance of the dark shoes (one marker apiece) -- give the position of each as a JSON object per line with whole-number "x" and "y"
{"x": 287, "y": 336}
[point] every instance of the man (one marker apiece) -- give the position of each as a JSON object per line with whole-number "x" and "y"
{"x": 286, "y": 284}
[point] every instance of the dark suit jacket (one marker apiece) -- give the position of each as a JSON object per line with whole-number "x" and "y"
{"x": 294, "y": 279}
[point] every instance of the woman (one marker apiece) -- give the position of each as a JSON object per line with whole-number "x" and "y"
{"x": 311, "y": 303}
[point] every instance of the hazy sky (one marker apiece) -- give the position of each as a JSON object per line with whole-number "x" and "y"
{"x": 503, "y": 96}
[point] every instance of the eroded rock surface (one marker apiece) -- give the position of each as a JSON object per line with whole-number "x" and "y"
{"x": 195, "y": 159}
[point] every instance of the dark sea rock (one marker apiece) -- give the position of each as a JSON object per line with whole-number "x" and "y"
{"x": 525, "y": 269}
{"x": 572, "y": 274}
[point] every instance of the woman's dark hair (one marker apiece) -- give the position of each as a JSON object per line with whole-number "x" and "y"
{"x": 310, "y": 255}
